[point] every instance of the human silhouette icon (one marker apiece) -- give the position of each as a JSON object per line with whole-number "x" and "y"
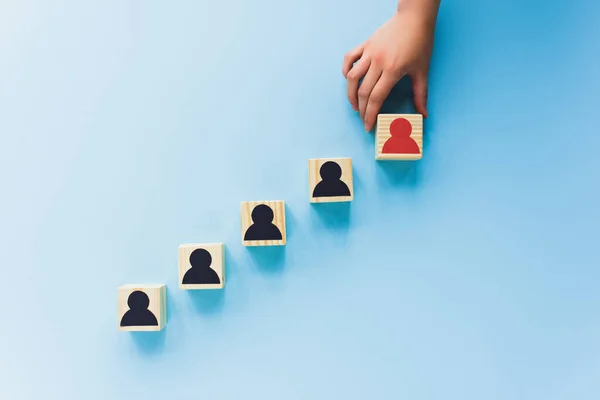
{"x": 263, "y": 227}
{"x": 331, "y": 185}
{"x": 201, "y": 272}
{"x": 138, "y": 313}
{"x": 401, "y": 142}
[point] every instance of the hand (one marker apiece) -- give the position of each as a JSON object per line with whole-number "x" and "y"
{"x": 402, "y": 46}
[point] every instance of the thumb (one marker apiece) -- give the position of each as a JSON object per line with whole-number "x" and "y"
{"x": 419, "y": 84}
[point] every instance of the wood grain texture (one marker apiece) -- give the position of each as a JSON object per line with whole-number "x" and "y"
{"x": 157, "y": 293}
{"x": 217, "y": 252}
{"x": 383, "y": 134}
{"x": 314, "y": 177}
{"x": 278, "y": 207}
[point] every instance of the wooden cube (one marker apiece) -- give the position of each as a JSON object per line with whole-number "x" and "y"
{"x": 330, "y": 180}
{"x": 399, "y": 137}
{"x": 142, "y": 307}
{"x": 263, "y": 223}
{"x": 202, "y": 266}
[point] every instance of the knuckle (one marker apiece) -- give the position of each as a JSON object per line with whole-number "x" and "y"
{"x": 363, "y": 94}
{"x": 396, "y": 67}
{"x": 379, "y": 57}
{"x": 350, "y": 58}
{"x": 376, "y": 99}
{"x": 396, "y": 71}
{"x": 353, "y": 75}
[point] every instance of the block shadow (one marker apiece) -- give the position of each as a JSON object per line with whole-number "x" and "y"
{"x": 290, "y": 223}
{"x": 395, "y": 174}
{"x": 333, "y": 216}
{"x": 358, "y": 185}
{"x": 231, "y": 266}
{"x": 208, "y": 301}
{"x": 150, "y": 343}
{"x": 268, "y": 259}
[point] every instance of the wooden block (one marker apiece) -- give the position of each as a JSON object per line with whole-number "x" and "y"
{"x": 263, "y": 223}
{"x": 330, "y": 180}
{"x": 399, "y": 137}
{"x": 202, "y": 266}
{"x": 142, "y": 307}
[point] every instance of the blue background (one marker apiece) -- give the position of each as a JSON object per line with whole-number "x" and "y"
{"x": 130, "y": 127}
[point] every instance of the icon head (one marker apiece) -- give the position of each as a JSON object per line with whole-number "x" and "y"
{"x": 200, "y": 258}
{"x": 138, "y": 300}
{"x": 400, "y": 127}
{"x": 330, "y": 171}
{"x": 262, "y": 214}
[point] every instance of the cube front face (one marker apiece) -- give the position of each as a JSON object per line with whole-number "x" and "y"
{"x": 399, "y": 137}
{"x": 330, "y": 180}
{"x": 202, "y": 266}
{"x": 142, "y": 307}
{"x": 263, "y": 223}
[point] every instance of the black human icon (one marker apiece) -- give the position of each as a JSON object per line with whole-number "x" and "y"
{"x": 262, "y": 227}
{"x": 331, "y": 185}
{"x": 201, "y": 272}
{"x": 138, "y": 313}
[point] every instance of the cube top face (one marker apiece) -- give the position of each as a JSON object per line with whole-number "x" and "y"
{"x": 263, "y": 223}
{"x": 330, "y": 180}
{"x": 143, "y": 286}
{"x": 142, "y": 307}
{"x": 201, "y": 266}
{"x": 399, "y": 137}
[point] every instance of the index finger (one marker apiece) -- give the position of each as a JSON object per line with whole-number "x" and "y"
{"x": 350, "y": 58}
{"x": 378, "y": 95}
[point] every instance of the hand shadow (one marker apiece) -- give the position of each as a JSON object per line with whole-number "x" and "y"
{"x": 400, "y": 100}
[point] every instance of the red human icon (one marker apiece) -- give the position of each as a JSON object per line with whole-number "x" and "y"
{"x": 400, "y": 142}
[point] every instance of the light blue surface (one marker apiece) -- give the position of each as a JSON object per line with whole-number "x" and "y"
{"x": 130, "y": 127}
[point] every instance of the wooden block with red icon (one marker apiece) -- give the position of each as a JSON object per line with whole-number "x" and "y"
{"x": 399, "y": 137}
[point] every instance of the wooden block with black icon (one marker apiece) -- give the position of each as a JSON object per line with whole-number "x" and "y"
{"x": 263, "y": 223}
{"x": 201, "y": 266}
{"x": 330, "y": 180}
{"x": 142, "y": 307}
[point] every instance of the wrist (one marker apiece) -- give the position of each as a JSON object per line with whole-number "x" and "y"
{"x": 424, "y": 10}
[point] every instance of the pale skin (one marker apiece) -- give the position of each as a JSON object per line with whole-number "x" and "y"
{"x": 401, "y": 46}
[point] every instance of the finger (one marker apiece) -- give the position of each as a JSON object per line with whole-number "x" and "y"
{"x": 419, "y": 84}
{"x": 366, "y": 87}
{"x": 378, "y": 95}
{"x": 354, "y": 76}
{"x": 350, "y": 58}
